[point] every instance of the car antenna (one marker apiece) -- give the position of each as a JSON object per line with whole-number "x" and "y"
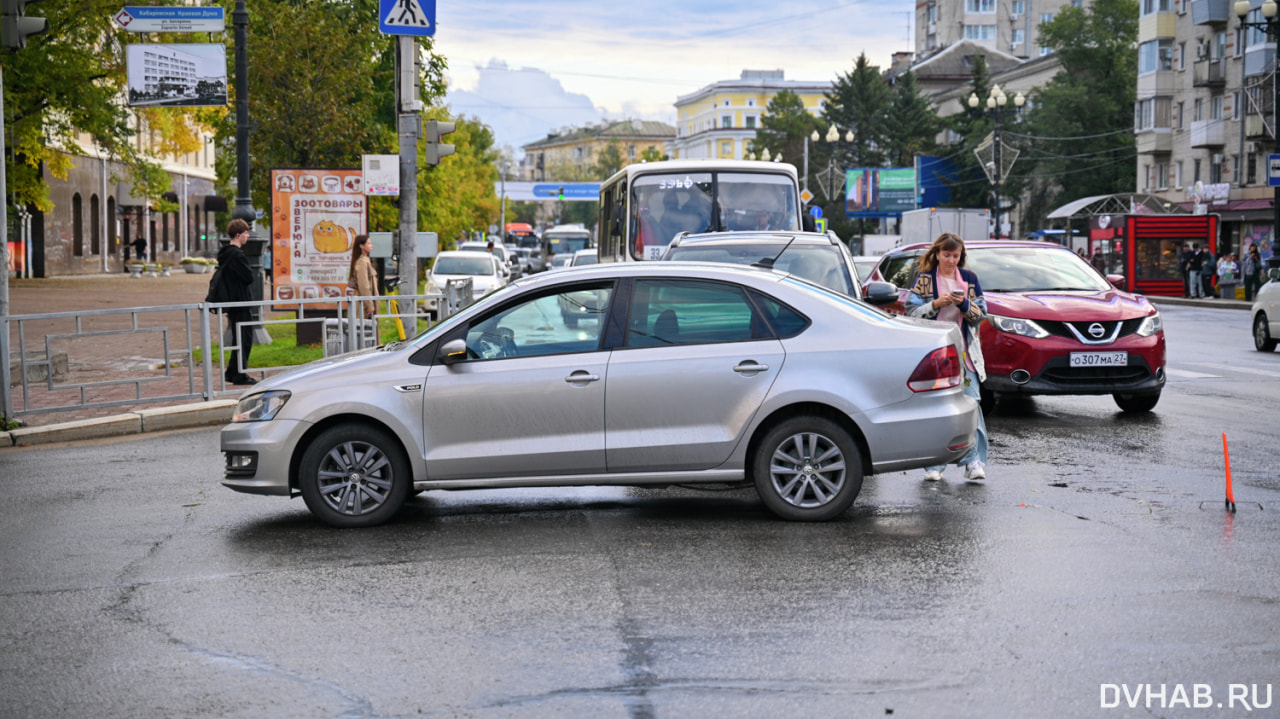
{"x": 766, "y": 263}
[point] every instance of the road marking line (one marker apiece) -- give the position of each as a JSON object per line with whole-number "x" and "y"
{"x": 1245, "y": 370}
{"x": 1188, "y": 374}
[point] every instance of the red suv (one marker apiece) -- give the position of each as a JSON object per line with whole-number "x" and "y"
{"x": 1055, "y": 325}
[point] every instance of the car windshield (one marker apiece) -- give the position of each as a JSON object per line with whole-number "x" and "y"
{"x": 499, "y": 250}
{"x": 819, "y": 264}
{"x": 457, "y": 265}
{"x": 560, "y": 241}
{"x": 1033, "y": 269}
{"x": 584, "y": 259}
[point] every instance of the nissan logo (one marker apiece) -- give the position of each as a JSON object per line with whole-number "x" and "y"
{"x": 1096, "y": 330}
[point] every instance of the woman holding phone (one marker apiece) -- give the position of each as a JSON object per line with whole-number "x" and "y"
{"x": 944, "y": 290}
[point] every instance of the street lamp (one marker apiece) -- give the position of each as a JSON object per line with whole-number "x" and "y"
{"x": 502, "y": 229}
{"x": 832, "y": 137}
{"x": 1271, "y": 27}
{"x": 996, "y": 102}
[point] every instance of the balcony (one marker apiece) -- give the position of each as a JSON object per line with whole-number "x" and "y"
{"x": 1158, "y": 141}
{"x": 1257, "y": 128}
{"x": 1210, "y": 12}
{"x": 1207, "y": 133}
{"x": 1209, "y": 73}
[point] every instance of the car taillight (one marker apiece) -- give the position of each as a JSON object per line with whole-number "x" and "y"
{"x": 940, "y": 370}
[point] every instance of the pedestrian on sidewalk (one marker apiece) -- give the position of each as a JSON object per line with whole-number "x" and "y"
{"x": 363, "y": 280}
{"x": 1251, "y": 268}
{"x": 1194, "y": 265}
{"x": 237, "y": 278}
{"x": 140, "y": 249}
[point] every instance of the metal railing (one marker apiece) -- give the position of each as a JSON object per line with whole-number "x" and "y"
{"x": 94, "y": 359}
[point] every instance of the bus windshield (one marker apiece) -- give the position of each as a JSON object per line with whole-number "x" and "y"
{"x": 556, "y": 242}
{"x": 664, "y": 205}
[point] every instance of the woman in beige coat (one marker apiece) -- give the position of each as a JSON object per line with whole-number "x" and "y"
{"x": 363, "y": 281}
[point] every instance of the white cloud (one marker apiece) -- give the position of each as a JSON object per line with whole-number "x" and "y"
{"x": 526, "y": 68}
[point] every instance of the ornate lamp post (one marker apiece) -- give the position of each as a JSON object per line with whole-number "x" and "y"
{"x": 1271, "y": 26}
{"x": 996, "y": 102}
{"x": 244, "y": 203}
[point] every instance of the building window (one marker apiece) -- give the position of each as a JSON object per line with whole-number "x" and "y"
{"x": 751, "y": 102}
{"x": 1215, "y": 169}
{"x": 1177, "y": 175}
{"x": 1252, "y": 171}
{"x": 749, "y": 122}
{"x": 982, "y": 6}
{"x": 1046, "y": 17}
{"x": 726, "y": 148}
{"x": 1152, "y": 112}
{"x": 1015, "y": 38}
{"x": 931, "y": 14}
{"x": 1215, "y": 107}
{"x": 1017, "y": 7}
{"x": 1150, "y": 7}
{"x": 980, "y": 32}
{"x": 726, "y": 103}
{"x": 726, "y": 121}
{"x": 1046, "y": 51}
{"x": 1195, "y": 171}
{"x": 1182, "y": 56}
{"x": 1155, "y": 55}
{"x": 1162, "y": 175}
{"x": 77, "y": 225}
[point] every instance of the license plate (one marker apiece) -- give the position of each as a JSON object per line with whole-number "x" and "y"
{"x": 1099, "y": 359}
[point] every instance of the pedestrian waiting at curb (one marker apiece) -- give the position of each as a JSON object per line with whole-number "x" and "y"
{"x": 946, "y": 291}
{"x": 1251, "y": 270}
{"x": 237, "y": 278}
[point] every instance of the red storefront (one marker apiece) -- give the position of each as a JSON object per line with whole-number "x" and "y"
{"x": 1145, "y": 248}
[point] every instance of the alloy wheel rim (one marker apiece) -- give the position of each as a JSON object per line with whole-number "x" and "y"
{"x": 355, "y": 478}
{"x": 807, "y": 470}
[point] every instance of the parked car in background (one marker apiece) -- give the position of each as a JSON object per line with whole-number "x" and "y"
{"x": 820, "y": 258}
{"x": 482, "y": 268}
{"x": 1266, "y": 313}
{"x": 559, "y": 262}
{"x": 510, "y": 265}
{"x": 1055, "y": 325}
{"x": 530, "y": 259}
{"x": 583, "y": 257}
{"x": 715, "y": 375}
{"x": 864, "y": 265}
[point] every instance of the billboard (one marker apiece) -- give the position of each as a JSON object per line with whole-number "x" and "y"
{"x": 315, "y": 217}
{"x": 879, "y": 191}
{"x": 182, "y": 75}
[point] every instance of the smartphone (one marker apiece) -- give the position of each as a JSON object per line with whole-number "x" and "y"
{"x": 957, "y": 293}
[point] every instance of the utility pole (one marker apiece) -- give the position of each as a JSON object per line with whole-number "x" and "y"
{"x": 409, "y": 114}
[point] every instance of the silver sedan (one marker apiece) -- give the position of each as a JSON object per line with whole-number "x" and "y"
{"x": 713, "y": 374}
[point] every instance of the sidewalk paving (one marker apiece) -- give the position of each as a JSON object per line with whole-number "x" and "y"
{"x": 92, "y": 292}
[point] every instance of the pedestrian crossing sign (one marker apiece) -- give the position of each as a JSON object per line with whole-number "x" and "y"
{"x": 407, "y": 17}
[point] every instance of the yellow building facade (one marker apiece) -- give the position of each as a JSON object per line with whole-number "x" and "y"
{"x": 720, "y": 120}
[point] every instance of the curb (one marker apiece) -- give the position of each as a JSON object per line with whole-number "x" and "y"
{"x": 1216, "y": 303}
{"x": 200, "y": 414}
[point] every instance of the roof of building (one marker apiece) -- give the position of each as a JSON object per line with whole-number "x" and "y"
{"x": 754, "y": 80}
{"x": 955, "y": 60}
{"x": 608, "y": 130}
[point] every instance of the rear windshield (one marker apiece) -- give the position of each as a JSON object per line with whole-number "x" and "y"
{"x": 455, "y": 265}
{"x": 818, "y": 264}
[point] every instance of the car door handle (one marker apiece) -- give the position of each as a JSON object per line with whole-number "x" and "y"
{"x": 581, "y": 376}
{"x": 750, "y": 367}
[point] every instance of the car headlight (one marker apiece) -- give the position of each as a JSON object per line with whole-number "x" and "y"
{"x": 1018, "y": 326}
{"x": 260, "y": 407}
{"x": 1151, "y": 325}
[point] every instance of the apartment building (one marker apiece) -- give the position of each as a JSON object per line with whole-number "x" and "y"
{"x": 1011, "y": 26}
{"x": 720, "y": 120}
{"x": 570, "y": 153}
{"x": 1204, "y": 119}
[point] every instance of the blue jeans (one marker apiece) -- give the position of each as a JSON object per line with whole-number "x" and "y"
{"x": 1197, "y": 287}
{"x": 977, "y": 453}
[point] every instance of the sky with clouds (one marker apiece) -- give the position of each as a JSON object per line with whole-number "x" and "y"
{"x": 526, "y": 68}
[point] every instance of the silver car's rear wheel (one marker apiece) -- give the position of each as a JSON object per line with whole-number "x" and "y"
{"x": 807, "y": 469}
{"x": 354, "y": 476}
{"x": 1262, "y": 339}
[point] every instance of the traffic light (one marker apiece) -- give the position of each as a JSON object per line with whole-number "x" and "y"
{"x": 15, "y": 27}
{"x": 560, "y": 194}
{"x": 435, "y": 129}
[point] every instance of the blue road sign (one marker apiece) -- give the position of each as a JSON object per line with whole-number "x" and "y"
{"x": 1273, "y": 174}
{"x": 572, "y": 190}
{"x": 815, "y": 211}
{"x": 172, "y": 19}
{"x": 407, "y": 17}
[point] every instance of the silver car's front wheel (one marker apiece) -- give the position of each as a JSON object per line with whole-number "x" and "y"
{"x": 807, "y": 469}
{"x": 354, "y": 476}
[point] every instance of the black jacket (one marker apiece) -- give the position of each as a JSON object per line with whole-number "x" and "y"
{"x": 237, "y": 275}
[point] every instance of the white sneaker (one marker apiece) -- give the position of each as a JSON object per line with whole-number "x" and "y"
{"x": 975, "y": 470}
{"x": 932, "y": 475}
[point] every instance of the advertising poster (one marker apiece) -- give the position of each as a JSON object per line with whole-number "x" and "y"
{"x": 315, "y": 217}
{"x": 880, "y": 191}
{"x": 185, "y": 75}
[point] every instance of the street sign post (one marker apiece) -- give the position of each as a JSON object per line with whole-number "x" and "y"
{"x": 172, "y": 19}
{"x": 407, "y": 17}
{"x": 1273, "y": 173}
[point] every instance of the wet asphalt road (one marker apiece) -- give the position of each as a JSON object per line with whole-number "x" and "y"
{"x": 1097, "y": 555}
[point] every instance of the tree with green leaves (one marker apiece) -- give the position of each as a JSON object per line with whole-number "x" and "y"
{"x": 68, "y": 82}
{"x": 860, "y": 101}
{"x": 1079, "y": 131}
{"x": 913, "y": 124}
{"x": 610, "y": 160}
{"x": 784, "y": 127}
{"x": 969, "y": 185}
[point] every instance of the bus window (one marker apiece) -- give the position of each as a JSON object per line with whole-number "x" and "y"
{"x": 756, "y": 202}
{"x": 666, "y": 205}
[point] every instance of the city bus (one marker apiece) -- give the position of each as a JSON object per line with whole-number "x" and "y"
{"x": 644, "y": 205}
{"x": 564, "y": 239}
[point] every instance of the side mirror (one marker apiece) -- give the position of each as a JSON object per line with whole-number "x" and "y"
{"x": 1117, "y": 281}
{"x": 452, "y": 352}
{"x": 1273, "y": 274}
{"x": 880, "y": 293}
